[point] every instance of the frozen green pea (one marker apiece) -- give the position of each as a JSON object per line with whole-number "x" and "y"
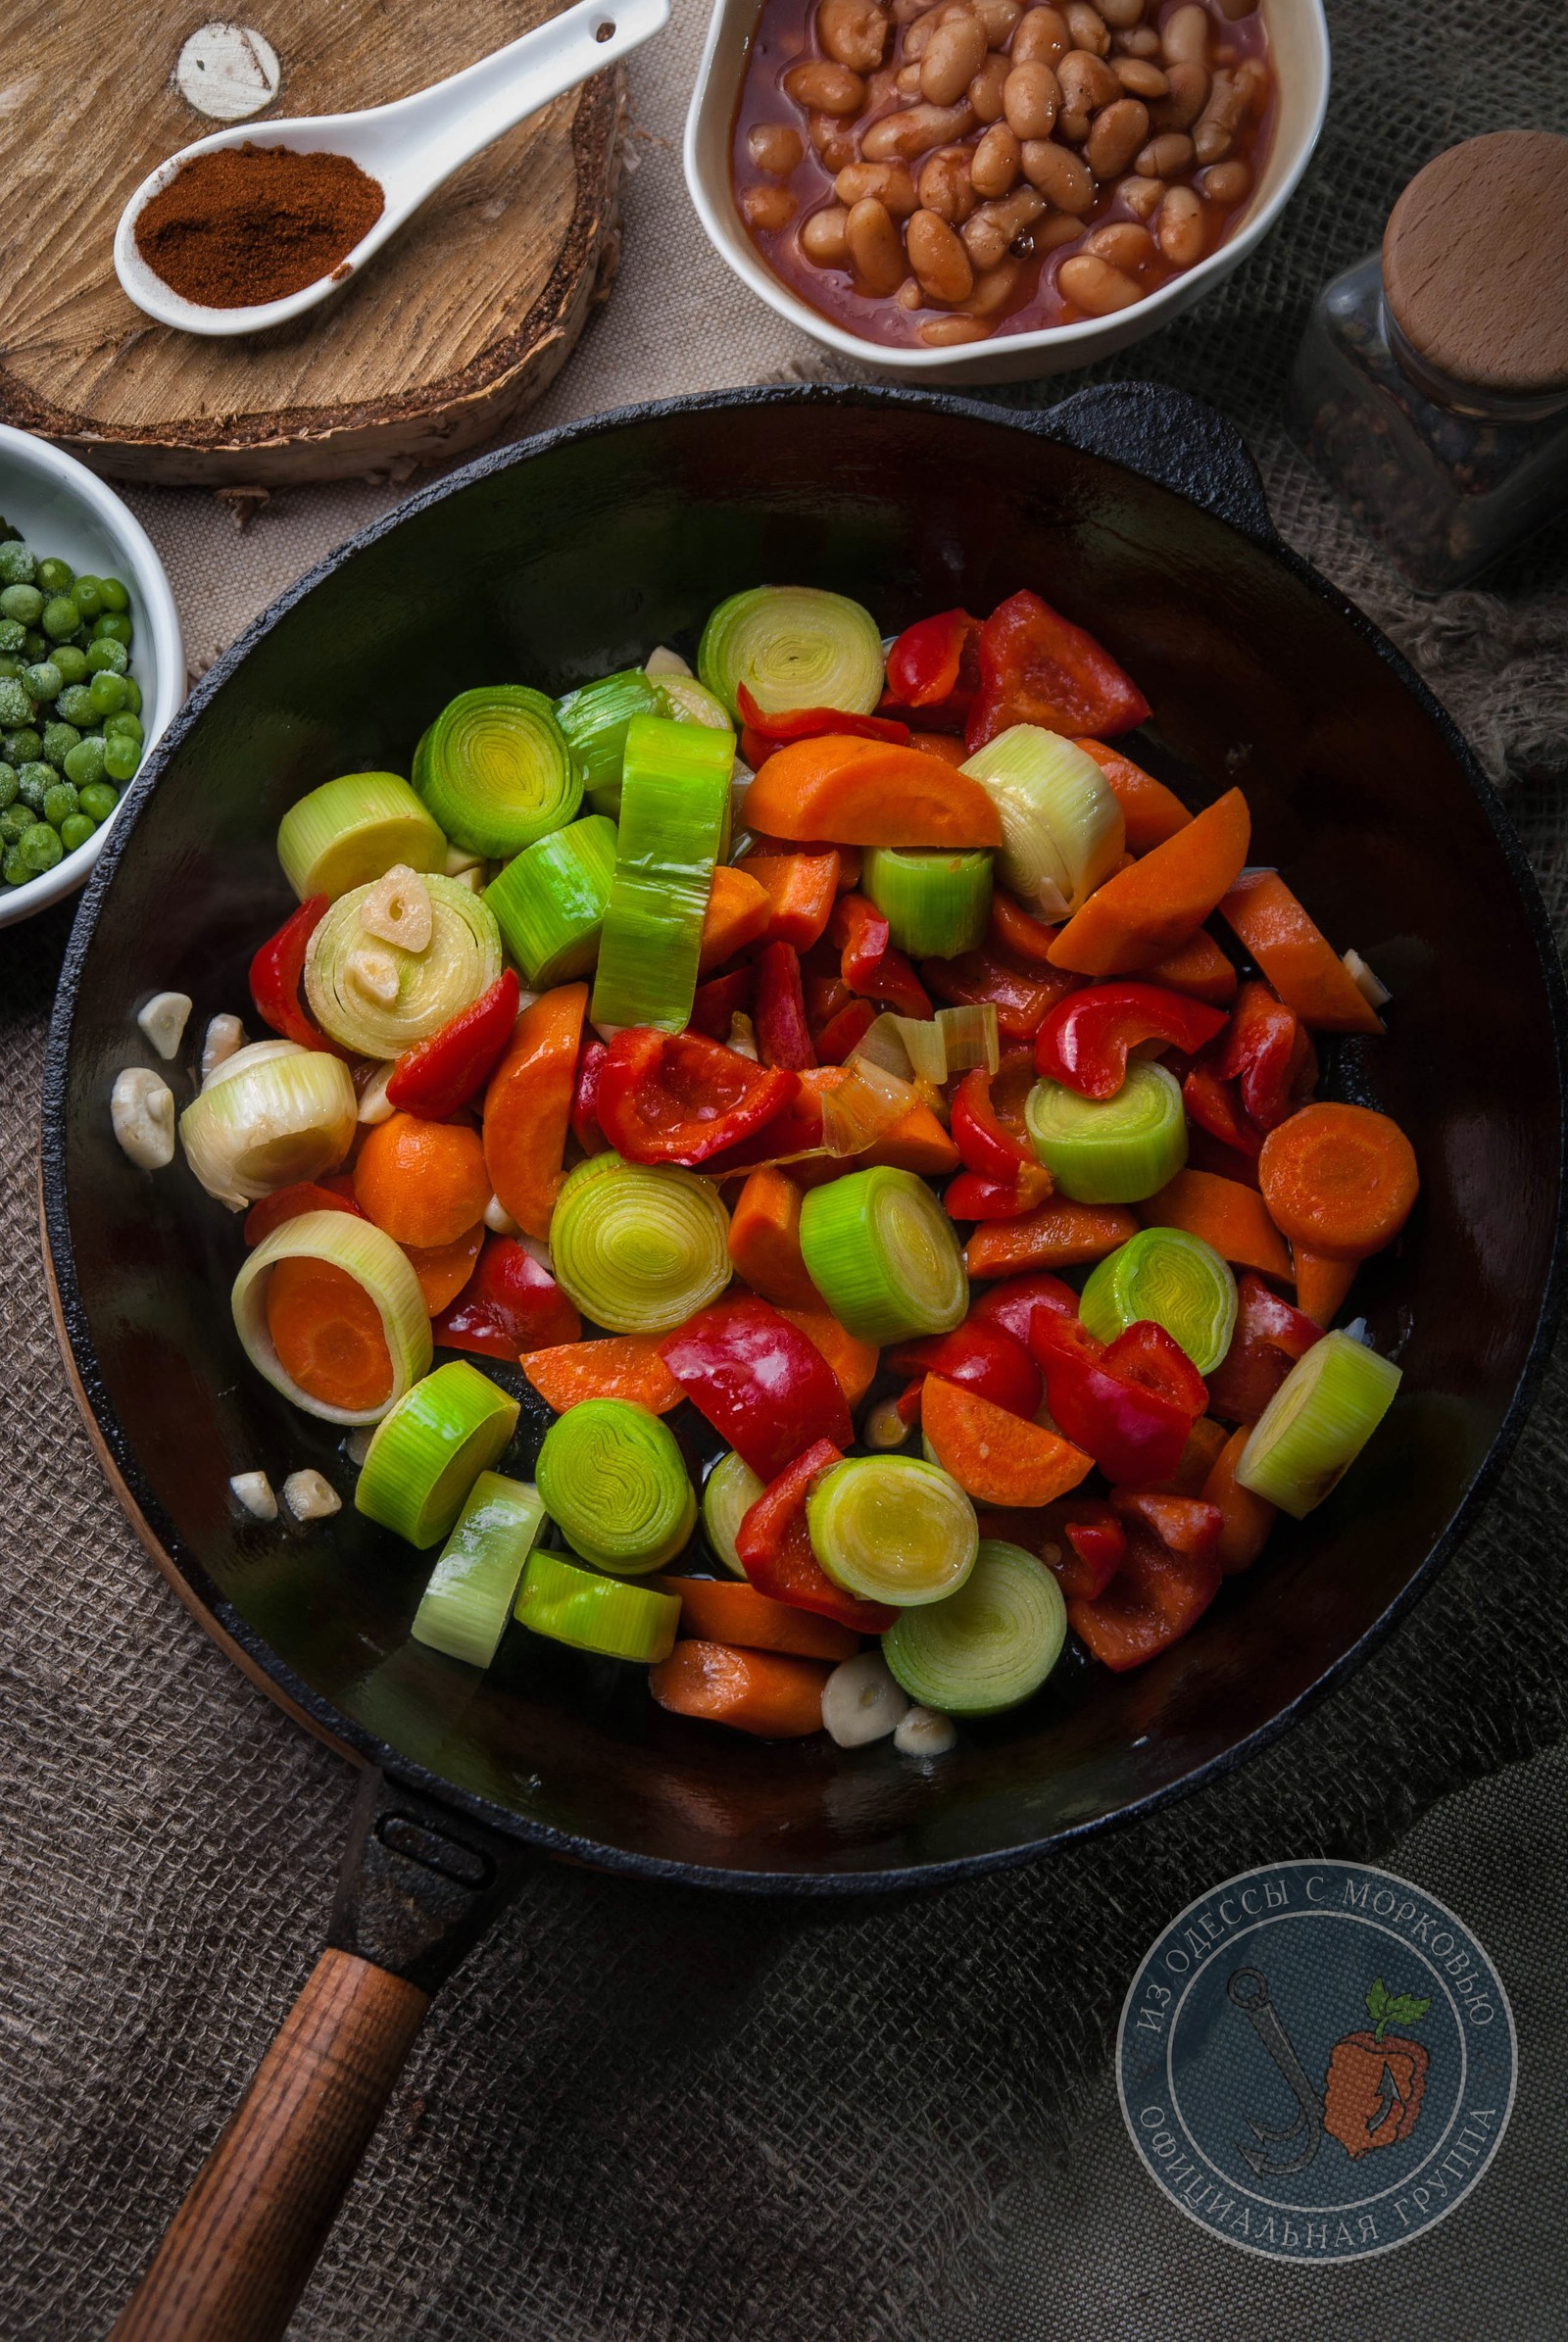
{"x": 13, "y": 821}
{"x": 14, "y": 871}
{"x": 121, "y": 758}
{"x": 58, "y": 742}
{"x": 17, "y": 565}
{"x": 15, "y": 705}
{"x": 89, "y": 596}
{"x": 76, "y": 830}
{"x": 55, "y": 576}
{"x": 107, "y": 656}
{"x": 12, "y": 668}
{"x": 8, "y": 785}
{"x": 23, "y": 603}
{"x": 44, "y": 682}
{"x": 123, "y": 726}
{"x": 12, "y": 634}
{"x": 99, "y": 799}
{"x": 59, "y": 618}
{"x": 75, "y": 706}
{"x": 133, "y": 701}
{"x": 36, "y": 646}
{"x": 22, "y": 745}
{"x": 59, "y": 803}
{"x": 109, "y": 693}
{"x": 72, "y": 663}
{"x": 115, "y": 596}
{"x": 33, "y": 779}
{"x": 114, "y": 626}
{"x": 39, "y": 846}
{"x": 85, "y": 763}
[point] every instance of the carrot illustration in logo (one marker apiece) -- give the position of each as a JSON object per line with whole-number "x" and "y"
{"x": 1376, "y": 2081}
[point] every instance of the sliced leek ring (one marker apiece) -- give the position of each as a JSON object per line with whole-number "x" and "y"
{"x": 640, "y": 1247}
{"x": 377, "y": 998}
{"x": 988, "y": 1645}
{"x": 575, "y": 1606}
{"x": 271, "y": 1114}
{"x": 884, "y": 1255}
{"x": 1062, "y": 829}
{"x": 1317, "y": 1423}
{"x": 469, "y": 1599}
{"x": 615, "y": 1479}
{"x": 549, "y": 902}
{"x": 369, "y": 1255}
{"x": 496, "y": 771}
{"x": 892, "y": 1529}
{"x": 793, "y": 646}
{"x": 936, "y": 901}
{"x": 731, "y": 1488}
{"x": 1171, "y": 1278}
{"x": 429, "y": 1448}
{"x": 351, "y": 831}
{"x": 1110, "y": 1150}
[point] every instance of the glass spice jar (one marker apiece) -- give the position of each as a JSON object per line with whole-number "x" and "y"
{"x": 1431, "y": 388}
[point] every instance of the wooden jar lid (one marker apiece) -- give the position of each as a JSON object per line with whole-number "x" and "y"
{"x": 1474, "y": 263}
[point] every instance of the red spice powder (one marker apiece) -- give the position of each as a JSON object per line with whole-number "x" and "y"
{"x": 253, "y": 223}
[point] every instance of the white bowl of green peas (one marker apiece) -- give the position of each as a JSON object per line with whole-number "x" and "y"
{"x": 71, "y": 741}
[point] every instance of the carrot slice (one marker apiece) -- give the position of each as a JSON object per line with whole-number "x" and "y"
{"x": 855, "y": 1362}
{"x": 425, "y": 1182}
{"x": 618, "y": 1366}
{"x": 1152, "y": 812}
{"x": 527, "y": 1106}
{"x": 443, "y": 1270}
{"x": 1338, "y": 1179}
{"x": 1204, "y": 1444}
{"x": 1226, "y": 1215}
{"x": 765, "y": 1241}
{"x": 722, "y": 1610}
{"x": 1144, "y": 913}
{"x": 1295, "y": 956}
{"x": 761, "y": 1693}
{"x": 801, "y": 889}
{"x": 1200, "y": 969}
{"x": 327, "y": 1333}
{"x": 870, "y": 793}
{"x": 738, "y": 911}
{"x": 1322, "y": 1284}
{"x": 1058, "y": 1236}
{"x": 994, "y": 1456}
{"x": 1246, "y": 1519}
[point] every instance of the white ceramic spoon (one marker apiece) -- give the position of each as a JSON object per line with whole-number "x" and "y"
{"x": 410, "y": 146}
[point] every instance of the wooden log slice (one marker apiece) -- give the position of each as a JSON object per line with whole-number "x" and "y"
{"x": 455, "y": 327}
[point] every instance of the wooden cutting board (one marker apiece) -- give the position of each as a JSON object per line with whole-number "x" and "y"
{"x": 460, "y": 321}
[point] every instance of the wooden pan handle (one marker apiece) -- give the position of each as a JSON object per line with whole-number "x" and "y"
{"x": 242, "y": 2246}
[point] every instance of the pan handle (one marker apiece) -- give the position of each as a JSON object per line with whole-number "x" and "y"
{"x": 1173, "y": 439}
{"x": 419, "y": 1885}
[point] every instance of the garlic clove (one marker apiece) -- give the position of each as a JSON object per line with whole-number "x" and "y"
{"x": 498, "y": 1219}
{"x": 922, "y": 1733}
{"x": 664, "y": 661}
{"x": 141, "y": 1108}
{"x": 164, "y": 1021}
{"x": 226, "y": 1037}
{"x": 397, "y": 911}
{"x": 373, "y": 974}
{"x": 254, "y": 1491}
{"x": 375, "y": 1104}
{"x": 862, "y": 1702}
{"x": 310, "y": 1497}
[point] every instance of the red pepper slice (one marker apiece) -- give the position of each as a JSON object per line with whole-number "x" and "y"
{"x": 934, "y": 667}
{"x": 769, "y": 732}
{"x": 984, "y": 1141}
{"x": 1215, "y": 1105}
{"x": 1092, "y": 1541}
{"x": 1129, "y": 1405}
{"x": 1035, "y": 668}
{"x": 509, "y": 1304}
{"x": 1085, "y": 1040}
{"x": 1167, "y": 1579}
{"x": 585, "y": 1099}
{"x": 716, "y": 1002}
{"x": 275, "y": 973}
{"x": 1269, "y": 1337}
{"x": 437, "y": 1078}
{"x": 973, "y": 1196}
{"x": 783, "y": 1036}
{"x": 774, "y": 1547}
{"x": 1024, "y": 993}
{"x": 1265, "y": 1051}
{"x": 843, "y": 1034}
{"x": 797, "y": 1131}
{"x": 1012, "y": 1303}
{"x": 983, "y": 1360}
{"x": 287, "y": 1203}
{"x": 1017, "y": 930}
{"x": 761, "y": 1384}
{"x": 675, "y": 1098}
{"x": 871, "y": 966}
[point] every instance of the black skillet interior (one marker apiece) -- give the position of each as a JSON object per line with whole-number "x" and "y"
{"x": 559, "y": 562}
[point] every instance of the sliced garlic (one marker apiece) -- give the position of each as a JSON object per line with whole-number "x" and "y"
{"x": 226, "y": 1037}
{"x": 885, "y": 1427}
{"x": 373, "y": 973}
{"x": 1368, "y": 983}
{"x": 664, "y": 661}
{"x": 254, "y": 1491}
{"x": 396, "y": 909}
{"x": 164, "y": 1019}
{"x": 375, "y": 1104}
{"x": 862, "y": 1702}
{"x": 922, "y": 1733}
{"x": 141, "y": 1107}
{"x": 477, "y": 877}
{"x": 310, "y": 1497}
{"x": 743, "y": 1035}
{"x": 498, "y": 1219}
{"x": 357, "y": 1446}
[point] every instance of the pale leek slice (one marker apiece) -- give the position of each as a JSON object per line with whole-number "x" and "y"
{"x": 673, "y": 816}
{"x": 430, "y": 1447}
{"x": 270, "y": 1114}
{"x": 351, "y": 831}
{"x": 793, "y": 646}
{"x": 970, "y": 1036}
{"x": 1110, "y": 1150}
{"x": 1165, "y": 1276}
{"x": 377, "y": 998}
{"x": 1317, "y": 1423}
{"x": 591, "y": 1613}
{"x": 892, "y": 1529}
{"x": 469, "y": 1599}
{"x": 549, "y": 902}
{"x": 988, "y": 1645}
{"x": 936, "y": 903}
{"x": 496, "y": 771}
{"x": 731, "y": 1488}
{"x": 1062, "y": 831}
{"x": 614, "y": 1478}
{"x": 368, "y": 1254}
{"x": 639, "y": 1247}
{"x": 688, "y": 702}
{"x": 884, "y": 1255}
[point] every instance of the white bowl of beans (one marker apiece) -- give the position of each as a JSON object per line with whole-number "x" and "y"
{"x": 986, "y": 190}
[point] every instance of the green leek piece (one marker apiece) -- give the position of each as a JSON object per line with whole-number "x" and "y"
{"x": 377, "y": 997}
{"x": 430, "y": 1447}
{"x": 639, "y": 1247}
{"x": 688, "y": 702}
{"x": 468, "y": 1601}
{"x": 594, "y": 719}
{"x": 1063, "y": 830}
{"x": 549, "y": 902}
{"x": 892, "y": 1529}
{"x": 1173, "y": 1280}
{"x": 884, "y": 1255}
{"x": 496, "y": 771}
{"x": 615, "y": 1479}
{"x": 673, "y": 813}
{"x": 988, "y": 1645}
{"x": 732, "y": 1489}
{"x": 368, "y": 1254}
{"x": 1115, "y": 1149}
{"x": 270, "y": 1114}
{"x": 936, "y": 904}
{"x": 591, "y": 1613}
{"x": 351, "y": 831}
{"x": 1317, "y": 1423}
{"x": 793, "y": 646}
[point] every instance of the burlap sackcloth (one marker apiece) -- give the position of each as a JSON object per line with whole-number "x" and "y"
{"x": 643, "y": 2113}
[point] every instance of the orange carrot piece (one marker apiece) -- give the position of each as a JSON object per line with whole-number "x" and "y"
{"x": 940, "y": 744}
{"x": 1338, "y": 1179}
{"x": 425, "y": 1182}
{"x": 763, "y": 1692}
{"x": 1322, "y": 1284}
{"x": 1144, "y": 913}
{"x": 870, "y": 793}
{"x": 801, "y": 889}
{"x": 916, "y": 1142}
{"x": 855, "y": 1362}
{"x": 1225, "y": 1214}
{"x": 765, "y": 1241}
{"x": 1199, "y": 1457}
{"x": 994, "y": 1456}
{"x": 722, "y": 1610}
{"x": 327, "y": 1333}
{"x": 1295, "y": 956}
{"x": 1058, "y": 1236}
{"x": 1246, "y": 1519}
{"x": 527, "y": 1107}
{"x": 443, "y": 1270}
{"x": 1200, "y": 969}
{"x": 618, "y": 1366}
{"x": 738, "y": 911}
{"x": 1152, "y": 812}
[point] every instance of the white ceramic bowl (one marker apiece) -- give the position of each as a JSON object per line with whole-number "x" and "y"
{"x": 1298, "y": 43}
{"x": 62, "y": 508}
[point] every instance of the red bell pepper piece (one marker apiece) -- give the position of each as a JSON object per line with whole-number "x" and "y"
{"x": 797, "y": 1131}
{"x": 1012, "y": 1303}
{"x": 769, "y": 732}
{"x": 275, "y": 973}
{"x": 1167, "y": 1579}
{"x": 972, "y": 1197}
{"x": 871, "y": 966}
{"x": 1085, "y": 1040}
{"x": 843, "y": 1034}
{"x": 1092, "y": 1541}
{"x": 982, "y": 1359}
{"x": 1215, "y": 1105}
{"x": 761, "y": 1384}
{"x": 585, "y": 1099}
{"x": 934, "y": 669}
{"x": 509, "y": 1304}
{"x": 1265, "y": 1051}
{"x": 675, "y": 1098}
{"x": 984, "y": 1142}
{"x": 783, "y": 1036}
{"x": 1129, "y": 1404}
{"x": 1017, "y": 930}
{"x": 1025, "y": 993}
{"x": 774, "y": 1547}
{"x": 288, "y": 1203}
{"x": 1269, "y": 1337}
{"x": 1035, "y": 668}
{"x": 437, "y": 1078}
{"x": 716, "y": 1002}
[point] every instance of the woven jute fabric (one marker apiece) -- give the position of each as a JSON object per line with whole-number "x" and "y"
{"x": 641, "y": 2112}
